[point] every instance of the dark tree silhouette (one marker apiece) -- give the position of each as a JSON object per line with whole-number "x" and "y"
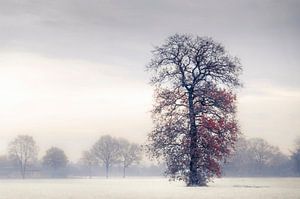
{"x": 194, "y": 113}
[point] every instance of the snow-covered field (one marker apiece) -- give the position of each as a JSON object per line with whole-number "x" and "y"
{"x": 146, "y": 188}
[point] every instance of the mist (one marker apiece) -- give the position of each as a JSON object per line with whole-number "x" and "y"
{"x": 104, "y": 96}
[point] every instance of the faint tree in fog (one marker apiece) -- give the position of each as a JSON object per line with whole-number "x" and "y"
{"x": 5, "y": 162}
{"x": 56, "y": 160}
{"x": 88, "y": 160}
{"x": 296, "y": 157}
{"x": 107, "y": 152}
{"x": 261, "y": 152}
{"x": 6, "y": 166}
{"x": 23, "y": 150}
{"x": 129, "y": 153}
{"x": 254, "y": 157}
{"x": 194, "y": 114}
{"x": 240, "y": 160}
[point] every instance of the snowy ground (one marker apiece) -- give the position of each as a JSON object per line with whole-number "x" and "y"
{"x": 146, "y": 188}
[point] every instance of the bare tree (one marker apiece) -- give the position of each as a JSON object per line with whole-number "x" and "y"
{"x": 194, "y": 114}
{"x": 261, "y": 152}
{"x": 129, "y": 153}
{"x": 23, "y": 150}
{"x": 239, "y": 163}
{"x": 88, "y": 159}
{"x": 106, "y": 151}
{"x": 256, "y": 156}
{"x": 56, "y": 160}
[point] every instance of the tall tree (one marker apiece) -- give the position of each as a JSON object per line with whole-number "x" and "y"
{"x": 129, "y": 153}
{"x": 106, "y": 151}
{"x": 23, "y": 150}
{"x": 56, "y": 160}
{"x": 194, "y": 114}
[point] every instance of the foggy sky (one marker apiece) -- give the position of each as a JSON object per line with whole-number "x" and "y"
{"x": 71, "y": 71}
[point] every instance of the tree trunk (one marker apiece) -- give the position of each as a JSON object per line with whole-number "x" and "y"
{"x": 90, "y": 172}
{"x": 106, "y": 170}
{"x": 23, "y": 174}
{"x": 23, "y": 171}
{"x": 194, "y": 178}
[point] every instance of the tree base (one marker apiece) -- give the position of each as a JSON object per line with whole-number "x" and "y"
{"x": 197, "y": 185}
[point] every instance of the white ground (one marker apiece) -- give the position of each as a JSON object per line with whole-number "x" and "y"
{"x": 146, "y": 188}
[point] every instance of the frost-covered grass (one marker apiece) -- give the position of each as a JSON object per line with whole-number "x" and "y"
{"x": 146, "y": 188}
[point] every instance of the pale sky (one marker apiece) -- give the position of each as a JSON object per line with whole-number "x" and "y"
{"x": 71, "y": 71}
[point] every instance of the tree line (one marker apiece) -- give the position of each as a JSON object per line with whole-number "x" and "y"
{"x": 107, "y": 151}
{"x": 252, "y": 157}
{"x": 256, "y": 157}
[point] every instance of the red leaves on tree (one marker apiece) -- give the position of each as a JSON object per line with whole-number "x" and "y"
{"x": 217, "y": 132}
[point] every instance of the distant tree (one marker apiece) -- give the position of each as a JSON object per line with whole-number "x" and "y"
{"x": 56, "y": 160}
{"x": 296, "y": 157}
{"x": 194, "y": 113}
{"x": 296, "y": 160}
{"x": 107, "y": 152}
{"x": 256, "y": 156}
{"x": 129, "y": 153}
{"x": 239, "y": 163}
{"x": 280, "y": 164}
{"x": 261, "y": 152}
{"x": 6, "y": 165}
{"x": 4, "y": 162}
{"x": 23, "y": 150}
{"x": 88, "y": 160}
